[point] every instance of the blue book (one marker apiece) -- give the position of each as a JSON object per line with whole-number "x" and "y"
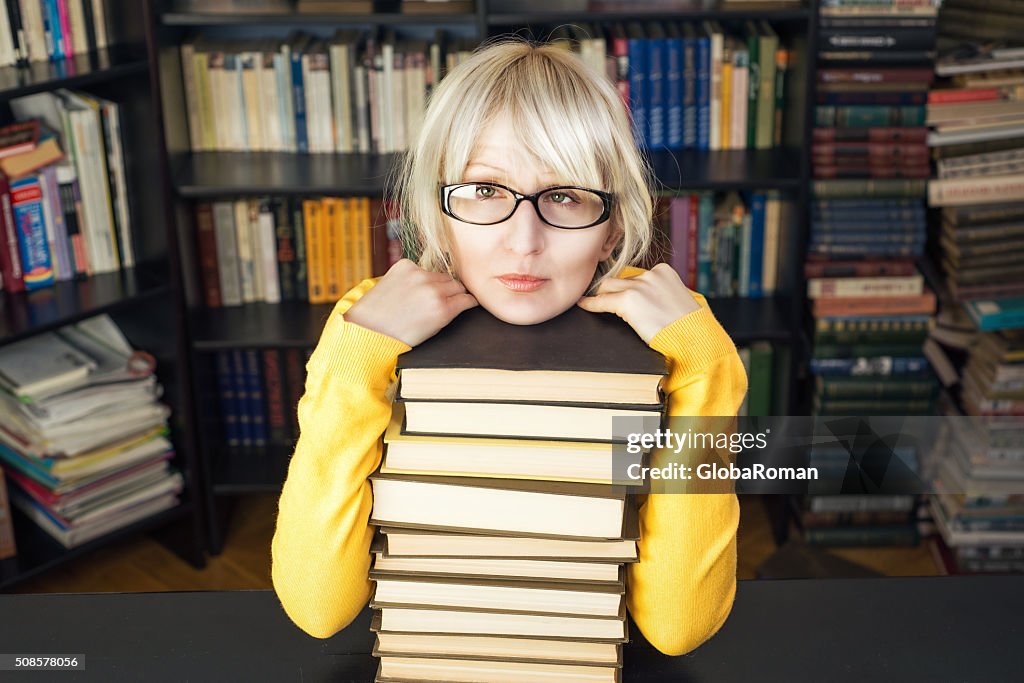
{"x": 226, "y": 397}
{"x": 257, "y": 402}
{"x": 299, "y": 94}
{"x": 705, "y": 228}
{"x": 51, "y": 30}
{"x": 997, "y": 314}
{"x": 674, "y": 87}
{"x": 241, "y": 397}
{"x": 30, "y": 227}
{"x": 657, "y": 64}
{"x": 875, "y": 366}
{"x": 638, "y": 69}
{"x": 757, "y": 203}
{"x": 703, "y": 82}
{"x": 867, "y": 238}
{"x": 689, "y": 80}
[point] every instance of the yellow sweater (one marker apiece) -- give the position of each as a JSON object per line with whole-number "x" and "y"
{"x": 679, "y": 593}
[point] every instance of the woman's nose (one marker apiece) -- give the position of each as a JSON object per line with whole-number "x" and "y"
{"x": 524, "y": 230}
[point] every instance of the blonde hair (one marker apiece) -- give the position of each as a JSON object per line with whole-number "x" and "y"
{"x": 572, "y": 120}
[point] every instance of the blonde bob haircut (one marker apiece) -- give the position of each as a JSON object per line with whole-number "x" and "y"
{"x": 572, "y": 121}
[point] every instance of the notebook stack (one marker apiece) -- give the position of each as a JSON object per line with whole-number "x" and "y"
{"x": 505, "y": 524}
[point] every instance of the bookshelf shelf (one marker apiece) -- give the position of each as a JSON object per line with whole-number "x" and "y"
{"x": 74, "y": 72}
{"x": 39, "y": 552}
{"x": 304, "y": 18}
{"x": 772, "y": 14}
{"x": 737, "y": 169}
{"x": 209, "y": 175}
{"x": 24, "y": 314}
{"x": 250, "y": 470}
{"x": 205, "y": 175}
{"x": 298, "y": 323}
{"x": 259, "y": 325}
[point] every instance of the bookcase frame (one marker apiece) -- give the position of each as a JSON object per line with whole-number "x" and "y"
{"x": 146, "y": 301}
{"x": 197, "y": 176}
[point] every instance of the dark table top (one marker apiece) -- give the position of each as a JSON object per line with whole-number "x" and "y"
{"x": 967, "y": 628}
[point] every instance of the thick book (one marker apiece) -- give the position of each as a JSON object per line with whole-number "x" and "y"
{"x": 421, "y": 543}
{"x": 508, "y": 648}
{"x": 461, "y": 622}
{"x": 542, "y": 509}
{"x": 398, "y": 669}
{"x": 577, "y": 356}
{"x": 559, "y": 571}
{"x": 501, "y": 457}
{"x": 498, "y": 594}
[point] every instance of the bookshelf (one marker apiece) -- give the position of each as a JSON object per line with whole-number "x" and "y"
{"x": 145, "y": 301}
{"x": 195, "y": 177}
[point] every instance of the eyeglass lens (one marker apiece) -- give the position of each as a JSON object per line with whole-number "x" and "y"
{"x": 481, "y": 203}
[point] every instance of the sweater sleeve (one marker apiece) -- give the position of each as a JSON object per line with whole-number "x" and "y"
{"x": 682, "y": 589}
{"x": 320, "y": 555}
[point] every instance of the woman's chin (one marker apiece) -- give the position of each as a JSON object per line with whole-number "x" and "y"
{"x": 523, "y": 311}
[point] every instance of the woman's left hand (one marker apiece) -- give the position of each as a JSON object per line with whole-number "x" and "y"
{"x": 648, "y": 302}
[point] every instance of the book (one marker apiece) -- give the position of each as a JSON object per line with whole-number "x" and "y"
{"x": 396, "y": 668}
{"x": 442, "y": 621}
{"x": 503, "y": 507}
{"x": 503, "y": 647}
{"x": 566, "y": 359}
{"x": 42, "y": 365}
{"x": 399, "y": 542}
{"x": 501, "y": 458}
{"x": 507, "y": 569}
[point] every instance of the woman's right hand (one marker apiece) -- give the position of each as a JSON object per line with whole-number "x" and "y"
{"x": 410, "y": 304}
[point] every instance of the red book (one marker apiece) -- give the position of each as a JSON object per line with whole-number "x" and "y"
{"x": 963, "y": 95}
{"x": 869, "y": 268}
{"x": 207, "y": 244}
{"x": 274, "y": 387}
{"x": 10, "y": 258}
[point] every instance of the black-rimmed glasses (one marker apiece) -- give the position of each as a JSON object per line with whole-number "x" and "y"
{"x": 566, "y": 206}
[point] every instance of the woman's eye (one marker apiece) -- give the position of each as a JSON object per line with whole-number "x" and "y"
{"x": 486, "y": 191}
{"x": 561, "y": 198}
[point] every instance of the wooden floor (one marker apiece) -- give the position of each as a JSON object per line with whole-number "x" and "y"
{"x": 145, "y": 565}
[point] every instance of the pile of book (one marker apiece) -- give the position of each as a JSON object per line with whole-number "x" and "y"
{"x": 42, "y": 30}
{"x": 65, "y": 191}
{"x": 503, "y": 508}
{"x": 725, "y": 246}
{"x": 978, "y": 508}
{"x": 83, "y": 436}
{"x": 280, "y": 249}
{"x": 253, "y": 389}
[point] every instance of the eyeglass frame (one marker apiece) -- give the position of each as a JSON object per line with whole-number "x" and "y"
{"x": 606, "y": 197}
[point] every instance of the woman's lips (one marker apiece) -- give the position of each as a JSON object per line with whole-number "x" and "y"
{"x": 521, "y": 283}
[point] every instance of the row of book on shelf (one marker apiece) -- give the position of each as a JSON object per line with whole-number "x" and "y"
{"x": 870, "y": 306}
{"x": 292, "y": 249}
{"x": 64, "y": 205}
{"x": 84, "y": 437}
{"x": 687, "y": 85}
{"x": 41, "y": 30}
{"x": 727, "y": 245}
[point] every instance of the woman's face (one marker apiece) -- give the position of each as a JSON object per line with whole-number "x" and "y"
{"x": 523, "y": 270}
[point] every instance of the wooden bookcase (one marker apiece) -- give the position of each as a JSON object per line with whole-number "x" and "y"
{"x": 202, "y": 176}
{"x": 145, "y": 301}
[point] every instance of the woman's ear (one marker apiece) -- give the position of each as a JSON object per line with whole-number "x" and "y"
{"x": 614, "y": 235}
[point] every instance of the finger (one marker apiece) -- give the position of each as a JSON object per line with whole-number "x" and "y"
{"x": 450, "y": 287}
{"x": 614, "y": 284}
{"x": 461, "y": 302}
{"x": 603, "y": 303}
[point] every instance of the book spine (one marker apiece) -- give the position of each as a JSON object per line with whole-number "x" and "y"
{"x": 10, "y": 255}
{"x": 257, "y": 402}
{"x": 703, "y": 55}
{"x": 226, "y": 397}
{"x": 207, "y": 243}
{"x": 655, "y": 94}
{"x": 757, "y": 214}
{"x": 984, "y": 190}
{"x": 285, "y": 249}
{"x": 273, "y": 380}
{"x": 89, "y": 19}
{"x": 27, "y": 205}
{"x": 299, "y": 101}
{"x": 67, "y": 38}
{"x": 301, "y": 262}
{"x": 314, "y": 246}
{"x": 692, "y": 207}
{"x": 674, "y": 79}
{"x": 295, "y": 381}
{"x": 271, "y": 281}
{"x": 690, "y": 86}
{"x": 252, "y": 212}
{"x": 638, "y": 90}
{"x": 706, "y": 238}
{"x": 71, "y": 207}
{"x": 243, "y": 406}
{"x": 868, "y": 115}
{"x": 875, "y": 366}
{"x": 243, "y": 244}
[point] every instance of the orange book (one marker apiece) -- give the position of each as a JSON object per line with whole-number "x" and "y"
{"x": 331, "y": 211}
{"x": 311, "y": 214}
{"x": 917, "y": 304}
{"x": 347, "y": 270}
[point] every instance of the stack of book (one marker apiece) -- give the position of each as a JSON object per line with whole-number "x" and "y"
{"x": 254, "y": 386}
{"x": 727, "y": 245}
{"x": 65, "y": 189}
{"x": 505, "y": 514}
{"x": 83, "y": 437}
{"x": 978, "y": 508}
{"x": 976, "y": 111}
{"x": 280, "y": 249}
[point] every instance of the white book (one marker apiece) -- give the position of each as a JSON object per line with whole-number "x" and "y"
{"x": 250, "y": 64}
{"x": 8, "y": 54}
{"x": 341, "y": 84}
{"x": 228, "y": 266}
{"x": 191, "y": 87}
{"x": 385, "y": 92}
{"x": 99, "y": 14}
{"x": 362, "y": 131}
{"x": 268, "y": 251}
{"x": 400, "y": 668}
{"x": 416, "y": 620}
{"x": 43, "y": 364}
{"x": 256, "y": 244}
{"x": 35, "y": 35}
{"x": 769, "y": 267}
{"x": 76, "y": 17}
{"x": 400, "y": 109}
{"x": 244, "y": 242}
{"x": 715, "y": 76}
{"x": 283, "y": 69}
{"x": 115, "y": 164}
{"x": 272, "y": 132}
